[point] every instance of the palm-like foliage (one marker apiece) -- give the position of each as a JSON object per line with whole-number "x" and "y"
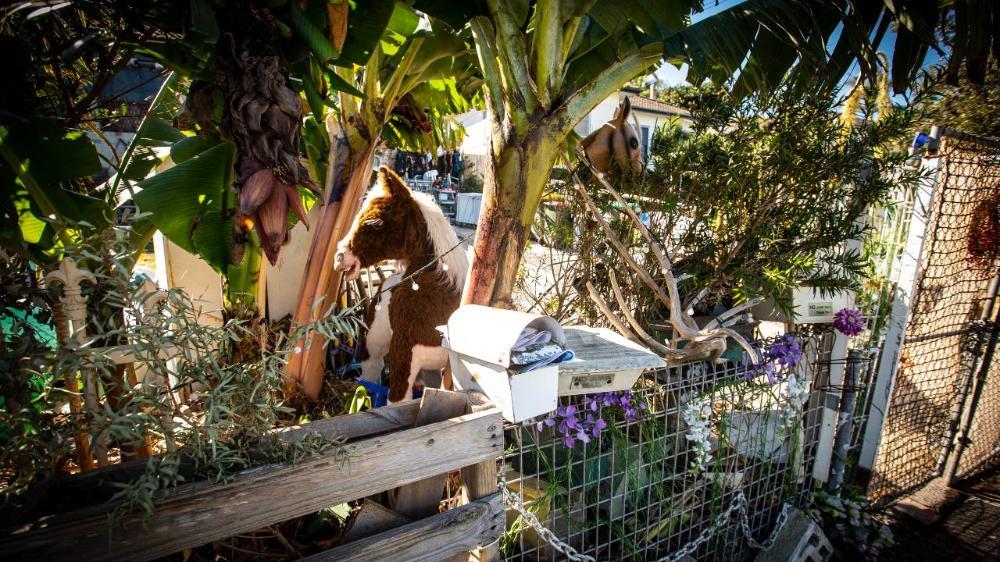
{"x": 546, "y": 64}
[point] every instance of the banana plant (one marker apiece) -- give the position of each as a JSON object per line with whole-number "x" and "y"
{"x": 420, "y": 71}
{"x": 547, "y": 64}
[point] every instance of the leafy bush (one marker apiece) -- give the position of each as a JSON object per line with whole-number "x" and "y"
{"x": 205, "y": 414}
{"x": 760, "y": 197}
{"x": 846, "y": 517}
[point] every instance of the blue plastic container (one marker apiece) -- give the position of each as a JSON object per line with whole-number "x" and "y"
{"x": 380, "y": 394}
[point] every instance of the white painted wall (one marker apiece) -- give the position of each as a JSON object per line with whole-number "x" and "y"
{"x": 177, "y": 268}
{"x": 284, "y": 279}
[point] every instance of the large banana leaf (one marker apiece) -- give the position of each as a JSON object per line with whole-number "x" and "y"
{"x": 189, "y": 203}
{"x": 39, "y": 163}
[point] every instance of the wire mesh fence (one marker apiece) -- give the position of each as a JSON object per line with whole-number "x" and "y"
{"x": 942, "y": 347}
{"x": 639, "y": 492}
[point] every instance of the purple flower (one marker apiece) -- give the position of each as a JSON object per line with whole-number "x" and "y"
{"x": 848, "y": 321}
{"x": 785, "y": 351}
{"x": 599, "y": 426}
{"x": 586, "y": 423}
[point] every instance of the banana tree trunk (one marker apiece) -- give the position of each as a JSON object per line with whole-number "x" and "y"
{"x": 348, "y": 176}
{"x": 515, "y": 178}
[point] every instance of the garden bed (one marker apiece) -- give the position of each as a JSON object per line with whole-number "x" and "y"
{"x": 383, "y": 450}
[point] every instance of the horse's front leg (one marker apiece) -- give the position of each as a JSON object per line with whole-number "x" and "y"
{"x": 377, "y": 342}
{"x": 403, "y": 370}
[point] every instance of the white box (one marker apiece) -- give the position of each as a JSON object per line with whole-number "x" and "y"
{"x": 604, "y": 362}
{"x": 479, "y": 338}
{"x": 812, "y": 308}
{"x": 467, "y": 208}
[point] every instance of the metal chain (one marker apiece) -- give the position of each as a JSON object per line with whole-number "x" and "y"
{"x": 547, "y": 535}
{"x": 739, "y": 504}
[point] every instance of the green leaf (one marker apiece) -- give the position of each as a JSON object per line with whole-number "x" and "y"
{"x": 50, "y": 153}
{"x": 365, "y": 26}
{"x": 157, "y": 132}
{"x": 188, "y": 204}
{"x": 313, "y": 34}
{"x": 203, "y": 21}
{"x": 188, "y": 147}
{"x": 341, "y": 85}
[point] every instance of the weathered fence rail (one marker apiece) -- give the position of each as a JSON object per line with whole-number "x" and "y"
{"x": 385, "y": 452}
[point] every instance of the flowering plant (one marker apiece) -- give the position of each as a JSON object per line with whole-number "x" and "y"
{"x": 698, "y": 417}
{"x": 586, "y": 423}
{"x": 783, "y": 352}
{"x": 848, "y": 321}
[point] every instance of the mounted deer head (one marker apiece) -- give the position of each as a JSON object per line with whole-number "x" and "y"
{"x": 615, "y": 142}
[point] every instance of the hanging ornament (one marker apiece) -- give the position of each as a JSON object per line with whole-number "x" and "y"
{"x": 444, "y": 267}
{"x": 415, "y": 286}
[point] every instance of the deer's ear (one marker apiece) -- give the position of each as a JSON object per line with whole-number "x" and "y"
{"x": 392, "y": 184}
{"x": 624, "y": 110}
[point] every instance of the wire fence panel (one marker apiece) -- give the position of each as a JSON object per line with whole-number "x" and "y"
{"x": 940, "y": 352}
{"x": 637, "y": 492}
{"x": 973, "y": 165}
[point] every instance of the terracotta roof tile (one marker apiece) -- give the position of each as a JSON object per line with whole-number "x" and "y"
{"x": 647, "y": 104}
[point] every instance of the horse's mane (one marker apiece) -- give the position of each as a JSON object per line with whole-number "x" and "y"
{"x": 443, "y": 237}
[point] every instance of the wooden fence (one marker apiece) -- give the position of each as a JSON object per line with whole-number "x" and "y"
{"x": 412, "y": 446}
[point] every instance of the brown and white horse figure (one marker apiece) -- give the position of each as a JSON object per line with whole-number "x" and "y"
{"x": 615, "y": 142}
{"x": 397, "y": 224}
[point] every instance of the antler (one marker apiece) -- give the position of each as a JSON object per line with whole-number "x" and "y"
{"x": 703, "y": 343}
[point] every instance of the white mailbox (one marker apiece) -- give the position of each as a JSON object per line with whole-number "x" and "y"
{"x": 479, "y": 341}
{"x": 604, "y": 362}
{"x": 811, "y": 307}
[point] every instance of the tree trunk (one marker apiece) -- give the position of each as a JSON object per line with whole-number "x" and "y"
{"x": 320, "y": 279}
{"x": 515, "y": 178}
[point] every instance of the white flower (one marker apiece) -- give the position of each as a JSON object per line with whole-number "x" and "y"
{"x": 795, "y": 396}
{"x": 698, "y": 417}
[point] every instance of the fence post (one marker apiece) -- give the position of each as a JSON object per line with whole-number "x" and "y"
{"x": 74, "y": 306}
{"x": 831, "y": 405}
{"x": 960, "y": 439}
{"x": 900, "y": 314}
{"x": 845, "y": 422}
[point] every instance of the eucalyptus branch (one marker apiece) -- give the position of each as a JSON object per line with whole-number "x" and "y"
{"x": 618, "y": 245}
{"x": 630, "y": 318}
{"x": 595, "y": 296}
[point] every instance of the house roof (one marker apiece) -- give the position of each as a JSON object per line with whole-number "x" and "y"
{"x": 650, "y": 105}
{"x": 653, "y": 106}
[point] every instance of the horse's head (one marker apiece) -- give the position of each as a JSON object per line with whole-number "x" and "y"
{"x": 385, "y": 229}
{"x": 615, "y": 142}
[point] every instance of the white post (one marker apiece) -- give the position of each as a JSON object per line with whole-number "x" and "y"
{"x": 900, "y": 314}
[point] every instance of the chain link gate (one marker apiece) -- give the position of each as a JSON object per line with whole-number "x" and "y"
{"x": 943, "y": 417}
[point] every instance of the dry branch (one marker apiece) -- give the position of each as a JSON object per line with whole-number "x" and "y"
{"x": 630, "y": 318}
